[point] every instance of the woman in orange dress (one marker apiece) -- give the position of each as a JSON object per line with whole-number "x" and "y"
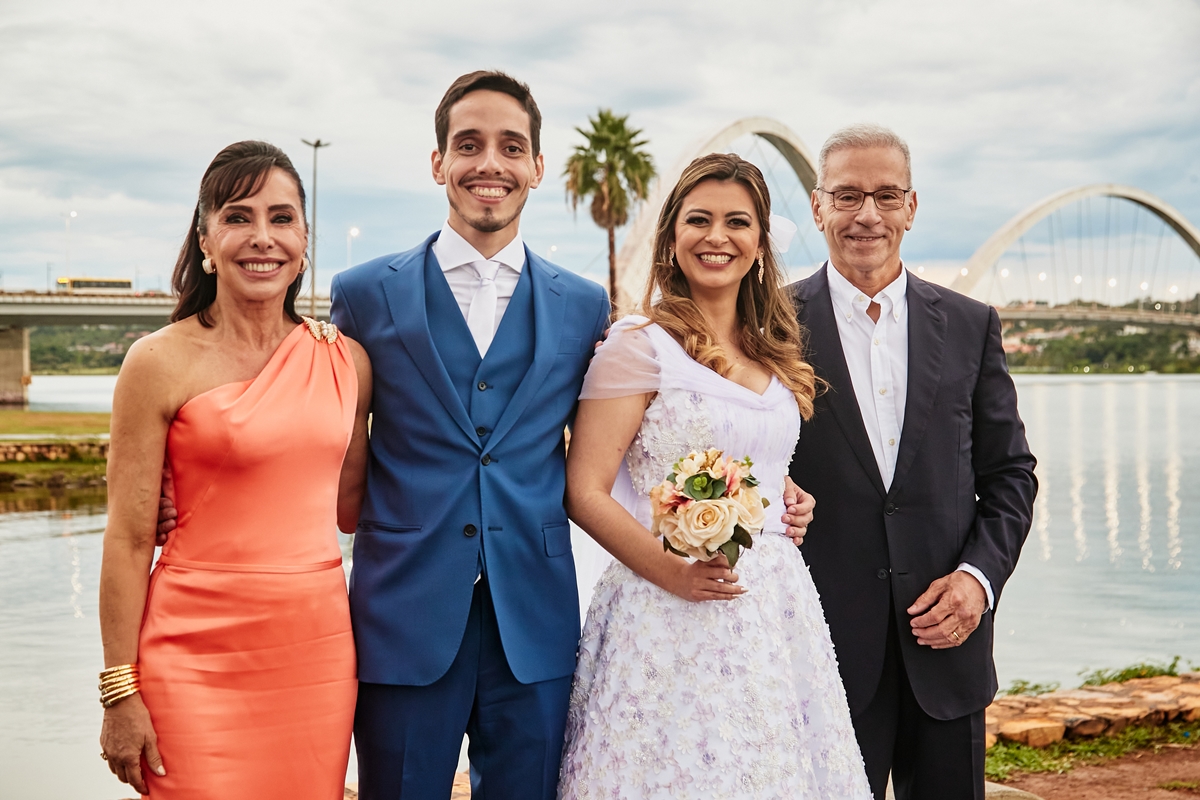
{"x": 238, "y": 644}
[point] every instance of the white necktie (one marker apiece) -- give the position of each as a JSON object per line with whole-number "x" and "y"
{"x": 481, "y": 318}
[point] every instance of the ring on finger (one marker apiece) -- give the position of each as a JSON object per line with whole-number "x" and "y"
{"x": 957, "y": 638}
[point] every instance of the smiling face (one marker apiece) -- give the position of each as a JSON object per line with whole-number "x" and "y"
{"x": 257, "y": 243}
{"x": 864, "y": 245}
{"x": 718, "y": 236}
{"x": 488, "y": 167}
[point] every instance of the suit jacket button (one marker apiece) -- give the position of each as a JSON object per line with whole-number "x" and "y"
{"x": 469, "y": 530}
{"x": 889, "y": 509}
{"x": 480, "y": 431}
{"x": 487, "y": 459}
{"x": 882, "y": 574}
{"x": 482, "y": 385}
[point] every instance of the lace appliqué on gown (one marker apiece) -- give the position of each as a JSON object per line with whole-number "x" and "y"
{"x": 738, "y": 699}
{"x": 675, "y": 424}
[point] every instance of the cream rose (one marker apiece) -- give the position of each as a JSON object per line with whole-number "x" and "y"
{"x": 702, "y": 527}
{"x": 751, "y": 513}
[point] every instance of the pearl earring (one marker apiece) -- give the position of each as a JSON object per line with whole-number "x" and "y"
{"x": 207, "y": 266}
{"x": 303, "y": 264}
{"x": 761, "y": 267}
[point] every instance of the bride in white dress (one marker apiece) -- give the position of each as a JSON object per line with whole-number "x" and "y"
{"x": 694, "y": 681}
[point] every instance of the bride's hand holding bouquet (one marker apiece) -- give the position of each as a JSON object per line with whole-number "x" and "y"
{"x": 708, "y": 509}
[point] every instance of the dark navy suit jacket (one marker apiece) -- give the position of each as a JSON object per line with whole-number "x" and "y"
{"x": 963, "y": 491}
{"x": 449, "y": 493}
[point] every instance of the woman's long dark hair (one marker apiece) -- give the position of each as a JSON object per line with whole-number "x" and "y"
{"x": 238, "y": 171}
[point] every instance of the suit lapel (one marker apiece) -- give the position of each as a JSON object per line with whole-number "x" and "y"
{"x": 549, "y": 306}
{"x": 826, "y": 355}
{"x": 405, "y": 292}
{"x": 926, "y": 349}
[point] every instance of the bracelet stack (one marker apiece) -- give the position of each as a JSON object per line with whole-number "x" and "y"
{"x": 117, "y": 683}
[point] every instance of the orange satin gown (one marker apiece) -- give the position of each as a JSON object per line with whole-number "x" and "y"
{"x": 246, "y": 653}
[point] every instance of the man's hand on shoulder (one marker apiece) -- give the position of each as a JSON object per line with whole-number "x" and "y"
{"x": 949, "y": 611}
{"x": 166, "y": 507}
{"x": 798, "y": 511}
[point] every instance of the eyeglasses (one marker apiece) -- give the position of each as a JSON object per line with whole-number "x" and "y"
{"x": 853, "y": 199}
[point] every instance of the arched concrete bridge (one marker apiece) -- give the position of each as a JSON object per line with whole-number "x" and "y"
{"x": 633, "y": 260}
{"x": 990, "y": 251}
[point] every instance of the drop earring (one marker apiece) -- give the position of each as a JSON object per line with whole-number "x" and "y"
{"x": 671, "y": 257}
{"x": 207, "y": 266}
{"x": 761, "y": 267}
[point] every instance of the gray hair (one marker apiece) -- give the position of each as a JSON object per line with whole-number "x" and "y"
{"x": 861, "y": 135}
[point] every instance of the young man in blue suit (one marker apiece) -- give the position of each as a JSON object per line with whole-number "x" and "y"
{"x": 463, "y": 593}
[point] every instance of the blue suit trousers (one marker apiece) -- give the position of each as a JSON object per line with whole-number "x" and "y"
{"x": 408, "y": 737}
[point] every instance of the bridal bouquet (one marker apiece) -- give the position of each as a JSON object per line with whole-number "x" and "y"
{"x": 709, "y": 504}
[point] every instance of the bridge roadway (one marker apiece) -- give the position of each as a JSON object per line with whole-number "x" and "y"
{"x": 41, "y": 308}
{"x": 1146, "y": 318}
{"x": 20, "y": 311}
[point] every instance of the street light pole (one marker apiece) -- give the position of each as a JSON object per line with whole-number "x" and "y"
{"x": 350, "y": 234}
{"x": 67, "y": 218}
{"x": 312, "y": 259}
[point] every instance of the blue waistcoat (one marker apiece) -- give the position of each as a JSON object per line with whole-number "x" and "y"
{"x": 466, "y": 466}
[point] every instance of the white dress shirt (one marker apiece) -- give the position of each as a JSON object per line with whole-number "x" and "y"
{"x": 455, "y": 256}
{"x": 877, "y": 359}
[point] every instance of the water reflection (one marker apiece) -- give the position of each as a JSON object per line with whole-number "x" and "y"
{"x": 1143, "y": 479}
{"x": 1078, "y": 478}
{"x": 1041, "y": 511}
{"x": 1114, "y": 455}
{"x": 1112, "y": 476}
{"x": 1173, "y": 469}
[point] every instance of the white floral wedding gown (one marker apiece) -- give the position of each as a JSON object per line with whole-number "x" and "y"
{"x": 722, "y": 699}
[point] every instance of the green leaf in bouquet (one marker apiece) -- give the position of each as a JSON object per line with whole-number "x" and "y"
{"x": 703, "y": 486}
{"x": 667, "y": 548}
{"x": 731, "y": 551}
{"x": 766, "y": 502}
{"x": 742, "y": 537}
{"x": 671, "y": 478}
{"x": 750, "y": 480}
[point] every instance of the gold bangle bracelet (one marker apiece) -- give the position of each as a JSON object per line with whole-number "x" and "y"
{"x": 134, "y": 687}
{"x": 118, "y": 679}
{"x": 110, "y": 686}
{"x": 110, "y": 696}
{"x": 122, "y": 669}
{"x": 118, "y": 682}
{"x": 109, "y": 702}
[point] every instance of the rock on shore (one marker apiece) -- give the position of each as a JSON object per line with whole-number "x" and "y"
{"x": 1094, "y": 710}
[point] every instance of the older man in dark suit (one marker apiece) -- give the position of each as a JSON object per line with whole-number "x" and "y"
{"x": 918, "y": 460}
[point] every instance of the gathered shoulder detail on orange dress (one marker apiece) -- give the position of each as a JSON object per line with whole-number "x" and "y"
{"x": 246, "y": 651}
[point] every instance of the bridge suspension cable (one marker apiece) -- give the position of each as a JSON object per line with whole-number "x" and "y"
{"x": 1110, "y": 273}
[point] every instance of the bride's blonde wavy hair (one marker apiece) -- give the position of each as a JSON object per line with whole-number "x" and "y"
{"x": 769, "y": 332}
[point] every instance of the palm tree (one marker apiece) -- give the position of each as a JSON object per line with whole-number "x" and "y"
{"x": 614, "y": 170}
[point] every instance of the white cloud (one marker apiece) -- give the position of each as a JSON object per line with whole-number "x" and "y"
{"x": 115, "y": 108}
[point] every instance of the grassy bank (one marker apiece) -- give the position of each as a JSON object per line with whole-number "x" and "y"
{"x": 1006, "y": 758}
{"x": 50, "y": 473}
{"x": 52, "y": 423}
{"x": 21, "y": 476}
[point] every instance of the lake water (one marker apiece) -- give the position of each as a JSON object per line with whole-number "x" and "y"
{"x": 1110, "y": 574}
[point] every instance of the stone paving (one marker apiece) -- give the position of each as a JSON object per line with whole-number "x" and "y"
{"x": 1094, "y": 710}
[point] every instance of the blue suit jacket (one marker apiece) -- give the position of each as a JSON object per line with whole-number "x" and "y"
{"x": 440, "y": 501}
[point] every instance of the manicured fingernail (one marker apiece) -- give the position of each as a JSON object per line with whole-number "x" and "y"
{"x": 160, "y": 771}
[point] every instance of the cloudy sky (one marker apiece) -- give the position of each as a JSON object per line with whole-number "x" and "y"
{"x": 112, "y": 110}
